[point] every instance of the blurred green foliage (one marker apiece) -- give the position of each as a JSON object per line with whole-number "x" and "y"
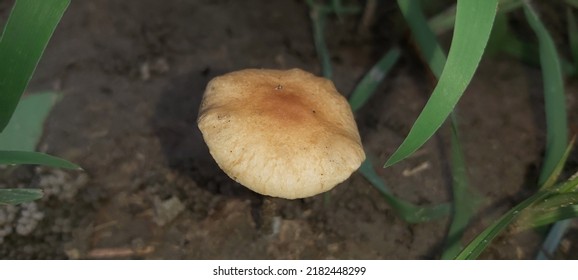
{"x": 25, "y": 36}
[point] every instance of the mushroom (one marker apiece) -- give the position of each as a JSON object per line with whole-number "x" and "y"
{"x": 285, "y": 134}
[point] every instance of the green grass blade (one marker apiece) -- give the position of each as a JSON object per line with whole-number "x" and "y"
{"x": 553, "y": 178}
{"x": 556, "y": 119}
{"x": 569, "y": 186}
{"x": 444, "y": 21}
{"x": 17, "y": 196}
{"x": 474, "y": 21}
{"x": 425, "y": 38}
{"x": 364, "y": 90}
{"x": 554, "y": 215}
{"x": 368, "y": 84}
{"x": 26, "y": 125}
{"x": 464, "y": 200}
{"x": 25, "y": 36}
{"x": 406, "y": 210}
{"x": 558, "y": 230}
{"x": 552, "y": 209}
{"x": 26, "y": 157}
{"x": 556, "y": 201}
{"x": 479, "y": 244}
{"x": 482, "y": 240}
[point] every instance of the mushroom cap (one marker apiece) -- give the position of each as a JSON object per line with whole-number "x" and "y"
{"x": 280, "y": 133}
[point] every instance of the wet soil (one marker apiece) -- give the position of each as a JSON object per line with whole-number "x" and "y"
{"x": 132, "y": 74}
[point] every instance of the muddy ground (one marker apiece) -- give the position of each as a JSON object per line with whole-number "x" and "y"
{"x": 132, "y": 74}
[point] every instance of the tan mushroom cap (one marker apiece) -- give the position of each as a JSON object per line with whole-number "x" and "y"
{"x": 285, "y": 134}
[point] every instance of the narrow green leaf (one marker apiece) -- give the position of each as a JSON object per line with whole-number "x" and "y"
{"x": 464, "y": 200}
{"x": 406, "y": 210}
{"x": 483, "y": 240}
{"x": 558, "y": 230}
{"x": 367, "y": 86}
{"x": 479, "y": 244}
{"x": 444, "y": 21}
{"x": 556, "y": 120}
{"x": 17, "y": 196}
{"x": 26, "y": 157}
{"x": 569, "y": 186}
{"x": 426, "y": 39}
{"x": 554, "y": 215}
{"x": 554, "y": 201}
{"x": 26, "y": 34}
{"x": 474, "y": 21}
{"x": 25, "y": 128}
{"x": 508, "y": 43}
{"x": 500, "y": 34}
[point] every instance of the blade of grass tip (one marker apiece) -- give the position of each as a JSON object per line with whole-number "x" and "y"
{"x": 555, "y": 100}
{"x": 364, "y": 90}
{"x": 17, "y": 196}
{"x": 368, "y": 84}
{"x": 406, "y": 210}
{"x": 474, "y": 21}
{"x": 464, "y": 202}
{"x": 573, "y": 36}
{"x": 26, "y": 34}
{"x": 26, "y": 157}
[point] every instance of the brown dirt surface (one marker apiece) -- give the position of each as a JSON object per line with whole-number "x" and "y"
{"x": 132, "y": 74}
